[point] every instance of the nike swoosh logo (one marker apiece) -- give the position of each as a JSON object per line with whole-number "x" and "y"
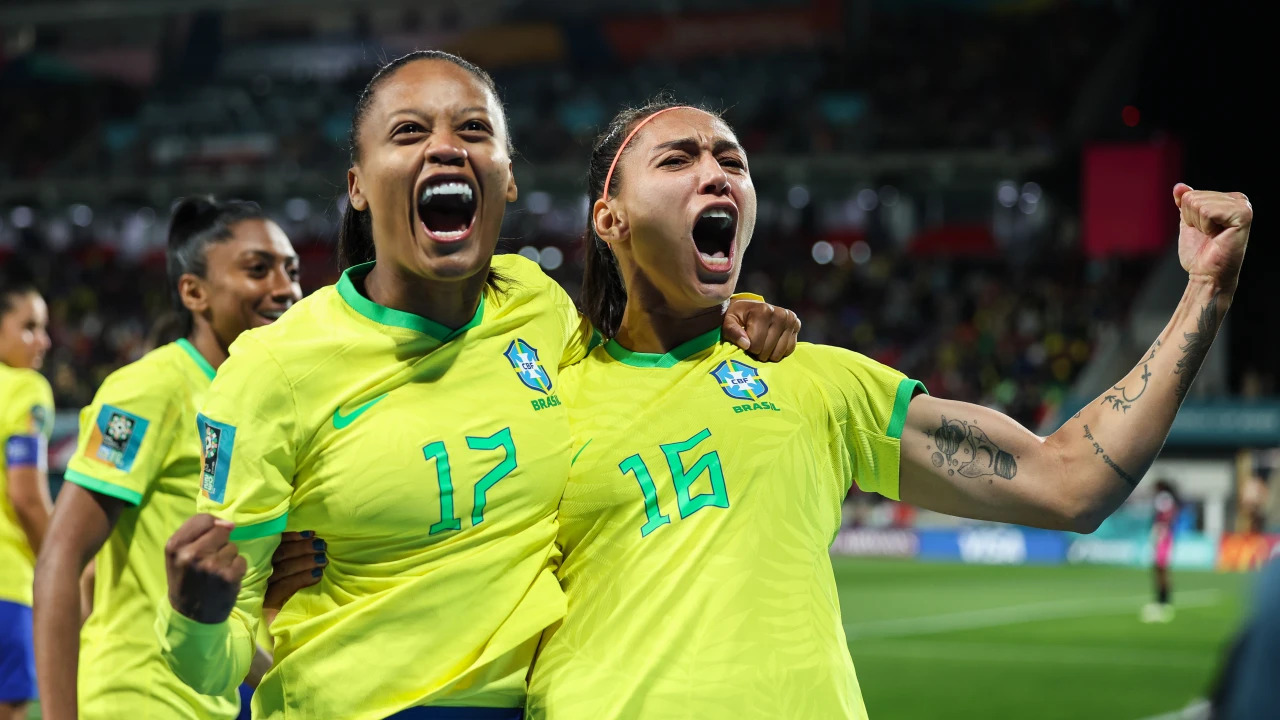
{"x": 340, "y": 421}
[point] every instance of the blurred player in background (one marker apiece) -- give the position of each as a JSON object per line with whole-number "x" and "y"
{"x": 409, "y": 415}
{"x": 1166, "y": 505}
{"x": 136, "y": 472}
{"x": 26, "y": 419}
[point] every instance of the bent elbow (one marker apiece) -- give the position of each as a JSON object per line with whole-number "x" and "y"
{"x": 1085, "y": 523}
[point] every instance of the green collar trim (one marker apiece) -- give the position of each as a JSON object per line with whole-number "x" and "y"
{"x": 199, "y": 360}
{"x": 397, "y": 318}
{"x": 670, "y": 359}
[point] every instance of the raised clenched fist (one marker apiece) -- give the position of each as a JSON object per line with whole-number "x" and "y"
{"x": 204, "y": 569}
{"x": 1212, "y": 234}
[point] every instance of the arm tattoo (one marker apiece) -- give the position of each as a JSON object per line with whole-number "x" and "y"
{"x": 1097, "y": 450}
{"x": 1119, "y": 398}
{"x": 1196, "y": 347}
{"x": 963, "y": 447}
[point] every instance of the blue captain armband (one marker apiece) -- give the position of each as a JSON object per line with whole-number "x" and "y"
{"x": 24, "y": 451}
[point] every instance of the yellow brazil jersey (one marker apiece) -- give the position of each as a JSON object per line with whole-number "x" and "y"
{"x": 139, "y": 443}
{"x": 705, "y": 492}
{"x": 26, "y": 419}
{"x": 431, "y": 462}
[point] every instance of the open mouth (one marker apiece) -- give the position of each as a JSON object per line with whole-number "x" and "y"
{"x": 447, "y": 209}
{"x": 713, "y": 235}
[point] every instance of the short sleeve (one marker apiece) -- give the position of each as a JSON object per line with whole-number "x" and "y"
{"x": 26, "y": 421}
{"x": 580, "y": 336}
{"x": 248, "y": 426}
{"x": 869, "y": 401}
{"x": 125, "y": 434}
{"x": 29, "y": 410}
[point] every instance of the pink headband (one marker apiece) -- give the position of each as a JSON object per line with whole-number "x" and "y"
{"x": 609, "y": 178}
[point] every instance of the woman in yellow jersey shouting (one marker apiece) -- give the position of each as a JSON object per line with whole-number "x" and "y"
{"x": 136, "y": 472}
{"x": 26, "y": 419}
{"x": 410, "y": 415}
{"x": 706, "y": 487}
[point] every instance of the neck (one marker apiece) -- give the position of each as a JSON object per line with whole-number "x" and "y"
{"x": 450, "y": 303}
{"x": 651, "y": 325}
{"x": 206, "y": 342}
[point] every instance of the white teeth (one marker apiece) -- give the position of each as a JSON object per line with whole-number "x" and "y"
{"x": 716, "y": 213}
{"x": 446, "y": 188}
{"x": 716, "y": 262}
{"x": 274, "y": 314}
{"x": 450, "y": 235}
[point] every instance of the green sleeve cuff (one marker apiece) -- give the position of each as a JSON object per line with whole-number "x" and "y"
{"x": 262, "y": 529}
{"x": 196, "y": 652}
{"x": 103, "y": 487}
{"x": 898, "y": 420}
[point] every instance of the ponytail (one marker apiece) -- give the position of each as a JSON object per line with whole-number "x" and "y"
{"x": 355, "y": 238}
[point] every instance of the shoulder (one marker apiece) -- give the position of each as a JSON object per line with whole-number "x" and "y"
{"x": 158, "y": 370}
{"x": 525, "y": 277}
{"x": 27, "y": 384}
{"x": 829, "y": 364}
{"x": 296, "y": 343}
{"x": 149, "y": 386}
{"x": 300, "y": 323}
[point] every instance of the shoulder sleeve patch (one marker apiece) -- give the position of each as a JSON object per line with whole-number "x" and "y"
{"x": 218, "y": 440}
{"x": 115, "y": 438}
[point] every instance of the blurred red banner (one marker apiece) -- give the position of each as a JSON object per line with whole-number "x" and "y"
{"x": 684, "y": 36}
{"x": 1127, "y": 197}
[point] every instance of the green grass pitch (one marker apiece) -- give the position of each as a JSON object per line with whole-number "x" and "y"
{"x": 964, "y": 641}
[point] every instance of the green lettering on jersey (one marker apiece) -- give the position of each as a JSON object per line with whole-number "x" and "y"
{"x": 683, "y": 480}
{"x": 500, "y": 440}
{"x": 756, "y": 406}
{"x": 543, "y": 403}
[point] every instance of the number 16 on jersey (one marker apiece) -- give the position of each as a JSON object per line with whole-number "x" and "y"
{"x": 682, "y": 478}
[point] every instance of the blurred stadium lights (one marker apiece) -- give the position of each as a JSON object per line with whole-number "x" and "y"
{"x": 798, "y": 197}
{"x": 551, "y": 258}
{"x": 822, "y": 252}
{"x": 22, "y": 217}
{"x": 530, "y": 252}
{"x": 81, "y": 215}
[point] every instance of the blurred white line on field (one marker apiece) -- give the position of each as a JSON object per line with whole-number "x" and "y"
{"x": 1021, "y": 653}
{"x": 1014, "y": 614}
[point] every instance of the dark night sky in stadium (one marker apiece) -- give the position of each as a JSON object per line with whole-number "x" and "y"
{"x": 1205, "y": 82}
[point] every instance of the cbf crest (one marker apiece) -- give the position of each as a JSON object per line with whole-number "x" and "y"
{"x": 524, "y": 358}
{"x": 739, "y": 380}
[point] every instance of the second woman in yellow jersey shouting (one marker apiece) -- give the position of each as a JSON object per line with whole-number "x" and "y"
{"x": 411, "y": 416}
{"x": 706, "y": 488}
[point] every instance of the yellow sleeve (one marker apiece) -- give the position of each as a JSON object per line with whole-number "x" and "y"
{"x": 125, "y": 434}
{"x": 870, "y": 404}
{"x": 580, "y": 336}
{"x": 214, "y": 659}
{"x": 249, "y": 426}
{"x": 29, "y": 410}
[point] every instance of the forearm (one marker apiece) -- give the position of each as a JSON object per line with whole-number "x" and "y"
{"x": 57, "y": 632}
{"x": 34, "y": 519}
{"x": 1107, "y": 447}
{"x": 212, "y": 659}
{"x": 29, "y": 496}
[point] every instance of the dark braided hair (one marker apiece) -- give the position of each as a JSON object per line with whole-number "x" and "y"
{"x": 355, "y": 234}
{"x": 604, "y": 295}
